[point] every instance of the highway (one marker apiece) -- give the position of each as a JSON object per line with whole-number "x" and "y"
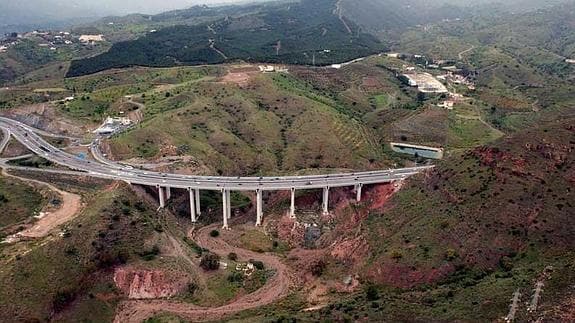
{"x": 103, "y": 168}
{"x": 5, "y": 139}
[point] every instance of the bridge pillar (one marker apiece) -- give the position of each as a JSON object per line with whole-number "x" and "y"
{"x": 229, "y": 199}
{"x": 326, "y": 200}
{"x": 162, "y": 197}
{"x": 292, "y": 205}
{"x": 259, "y": 207}
{"x": 225, "y": 208}
{"x": 358, "y": 192}
{"x": 168, "y": 193}
{"x": 198, "y": 211}
{"x": 193, "y": 204}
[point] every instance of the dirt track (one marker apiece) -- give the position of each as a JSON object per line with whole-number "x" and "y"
{"x": 69, "y": 208}
{"x": 276, "y": 287}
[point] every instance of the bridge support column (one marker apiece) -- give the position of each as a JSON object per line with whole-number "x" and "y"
{"x": 326, "y": 200}
{"x": 193, "y": 205}
{"x": 358, "y": 192}
{"x": 225, "y": 208}
{"x": 162, "y": 197}
{"x": 168, "y": 193}
{"x": 292, "y": 205}
{"x": 229, "y": 199}
{"x": 259, "y": 207}
{"x": 198, "y": 211}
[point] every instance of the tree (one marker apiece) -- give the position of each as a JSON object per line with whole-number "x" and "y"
{"x": 210, "y": 261}
{"x": 371, "y": 293}
{"x": 258, "y": 264}
{"x": 318, "y": 267}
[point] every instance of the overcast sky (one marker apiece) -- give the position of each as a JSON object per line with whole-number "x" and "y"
{"x": 65, "y": 9}
{"x": 143, "y": 6}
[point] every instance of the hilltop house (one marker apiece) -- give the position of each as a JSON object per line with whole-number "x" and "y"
{"x": 91, "y": 38}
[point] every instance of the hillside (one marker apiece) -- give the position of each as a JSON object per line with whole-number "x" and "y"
{"x": 492, "y": 221}
{"x": 129, "y": 27}
{"x": 453, "y": 244}
{"x": 388, "y": 17}
{"x": 301, "y": 33}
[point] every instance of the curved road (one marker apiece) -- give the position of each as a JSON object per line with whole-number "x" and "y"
{"x": 275, "y": 288}
{"x": 5, "y": 139}
{"x": 110, "y": 170}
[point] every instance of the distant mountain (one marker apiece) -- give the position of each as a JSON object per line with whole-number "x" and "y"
{"x": 296, "y": 33}
{"x": 20, "y": 16}
{"x": 394, "y": 15}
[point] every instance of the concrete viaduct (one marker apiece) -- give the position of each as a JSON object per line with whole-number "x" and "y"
{"x": 106, "y": 169}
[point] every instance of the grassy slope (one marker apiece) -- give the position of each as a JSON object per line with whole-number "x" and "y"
{"x": 455, "y": 244}
{"x": 483, "y": 224}
{"x": 310, "y": 118}
{"x": 68, "y": 278}
{"x": 18, "y": 202}
{"x": 277, "y": 123}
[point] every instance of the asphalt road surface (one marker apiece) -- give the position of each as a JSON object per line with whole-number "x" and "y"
{"x": 103, "y": 168}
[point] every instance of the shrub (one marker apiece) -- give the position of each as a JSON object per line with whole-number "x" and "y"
{"x": 318, "y": 267}
{"x": 396, "y": 254}
{"x": 371, "y": 293}
{"x": 148, "y": 255}
{"x": 257, "y": 264}
{"x": 192, "y": 288}
{"x": 236, "y": 277}
{"x": 450, "y": 254}
{"x": 232, "y": 256}
{"x": 210, "y": 261}
{"x": 214, "y": 233}
{"x": 62, "y": 299}
{"x": 506, "y": 264}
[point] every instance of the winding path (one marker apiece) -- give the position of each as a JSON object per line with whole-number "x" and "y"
{"x": 460, "y": 55}
{"x": 275, "y": 288}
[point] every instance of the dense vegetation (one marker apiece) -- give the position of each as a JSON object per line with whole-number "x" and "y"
{"x": 296, "y": 33}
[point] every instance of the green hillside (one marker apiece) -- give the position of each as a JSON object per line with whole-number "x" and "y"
{"x": 292, "y": 33}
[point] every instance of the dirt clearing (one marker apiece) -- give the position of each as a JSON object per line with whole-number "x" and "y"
{"x": 276, "y": 287}
{"x": 70, "y": 206}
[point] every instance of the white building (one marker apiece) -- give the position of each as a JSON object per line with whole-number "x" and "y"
{"x": 271, "y": 69}
{"x": 91, "y": 38}
{"x": 447, "y": 104}
{"x": 111, "y": 125}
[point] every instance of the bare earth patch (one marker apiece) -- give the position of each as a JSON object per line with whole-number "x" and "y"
{"x": 240, "y": 76}
{"x": 70, "y": 207}
{"x": 276, "y": 287}
{"x": 46, "y": 117}
{"x": 149, "y": 284}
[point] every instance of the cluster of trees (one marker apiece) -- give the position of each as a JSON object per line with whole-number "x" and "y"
{"x": 305, "y": 31}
